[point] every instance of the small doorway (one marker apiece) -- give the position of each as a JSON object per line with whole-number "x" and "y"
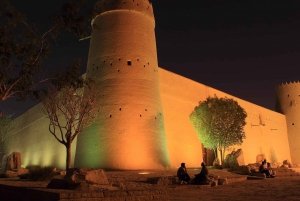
{"x": 208, "y": 156}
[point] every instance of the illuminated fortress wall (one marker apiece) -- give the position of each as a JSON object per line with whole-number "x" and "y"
{"x": 144, "y": 119}
{"x": 129, "y": 133}
{"x": 266, "y": 131}
{"x": 33, "y": 140}
{"x": 288, "y": 98}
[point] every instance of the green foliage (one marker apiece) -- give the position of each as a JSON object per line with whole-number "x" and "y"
{"x": 69, "y": 78}
{"x": 23, "y": 46}
{"x": 21, "y": 50}
{"x": 6, "y": 124}
{"x": 219, "y": 123}
{"x": 38, "y": 173}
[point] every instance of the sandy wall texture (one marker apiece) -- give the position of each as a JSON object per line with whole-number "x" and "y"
{"x": 288, "y": 98}
{"x": 266, "y": 130}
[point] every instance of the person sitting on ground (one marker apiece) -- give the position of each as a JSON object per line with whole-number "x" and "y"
{"x": 265, "y": 163}
{"x": 201, "y": 178}
{"x": 272, "y": 172}
{"x": 263, "y": 169}
{"x": 182, "y": 173}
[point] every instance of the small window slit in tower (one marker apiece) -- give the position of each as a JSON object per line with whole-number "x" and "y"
{"x": 129, "y": 63}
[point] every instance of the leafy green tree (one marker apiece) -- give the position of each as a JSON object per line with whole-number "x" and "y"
{"x": 6, "y": 123}
{"x": 23, "y": 46}
{"x": 219, "y": 123}
{"x": 71, "y": 104}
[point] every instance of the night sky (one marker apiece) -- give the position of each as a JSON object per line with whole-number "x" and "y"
{"x": 241, "y": 47}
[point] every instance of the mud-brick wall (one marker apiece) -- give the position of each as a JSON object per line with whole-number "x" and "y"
{"x": 31, "y": 137}
{"x": 266, "y": 131}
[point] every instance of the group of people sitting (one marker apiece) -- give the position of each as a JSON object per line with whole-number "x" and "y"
{"x": 201, "y": 178}
{"x": 266, "y": 168}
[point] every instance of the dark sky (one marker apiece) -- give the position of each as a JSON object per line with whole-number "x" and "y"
{"x": 242, "y": 47}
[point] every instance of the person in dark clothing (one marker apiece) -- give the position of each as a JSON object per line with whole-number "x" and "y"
{"x": 272, "y": 173}
{"x": 182, "y": 173}
{"x": 201, "y": 178}
{"x": 263, "y": 169}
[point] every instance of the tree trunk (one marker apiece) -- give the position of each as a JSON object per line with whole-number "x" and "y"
{"x": 221, "y": 152}
{"x": 215, "y": 152}
{"x": 69, "y": 155}
{"x": 223, "y": 155}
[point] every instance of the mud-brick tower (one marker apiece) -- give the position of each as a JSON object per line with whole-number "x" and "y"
{"x": 288, "y": 103}
{"x": 129, "y": 133}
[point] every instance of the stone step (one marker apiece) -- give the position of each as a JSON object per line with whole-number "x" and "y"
{"x": 284, "y": 172}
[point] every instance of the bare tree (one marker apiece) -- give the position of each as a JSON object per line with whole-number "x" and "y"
{"x": 71, "y": 104}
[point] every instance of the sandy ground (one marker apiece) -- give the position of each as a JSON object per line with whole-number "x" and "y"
{"x": 269, "y": 189}
{"x": 279, "y": 188}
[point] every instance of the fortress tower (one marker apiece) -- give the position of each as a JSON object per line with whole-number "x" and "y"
{"x": 288, "y": 103}
{"x": 130, "y": 132}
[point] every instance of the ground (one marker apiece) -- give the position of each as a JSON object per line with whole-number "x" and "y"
{"x": 284, "y": 188}
{"x": 277, "y": 189}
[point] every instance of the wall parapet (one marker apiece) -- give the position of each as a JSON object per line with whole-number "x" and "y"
{"x": 142, "y": 6}
{"x": 288, "y": 84}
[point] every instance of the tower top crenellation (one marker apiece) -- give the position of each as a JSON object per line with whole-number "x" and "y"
{"x": 288, "y": 84}
{"x": 142, "y": 6}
